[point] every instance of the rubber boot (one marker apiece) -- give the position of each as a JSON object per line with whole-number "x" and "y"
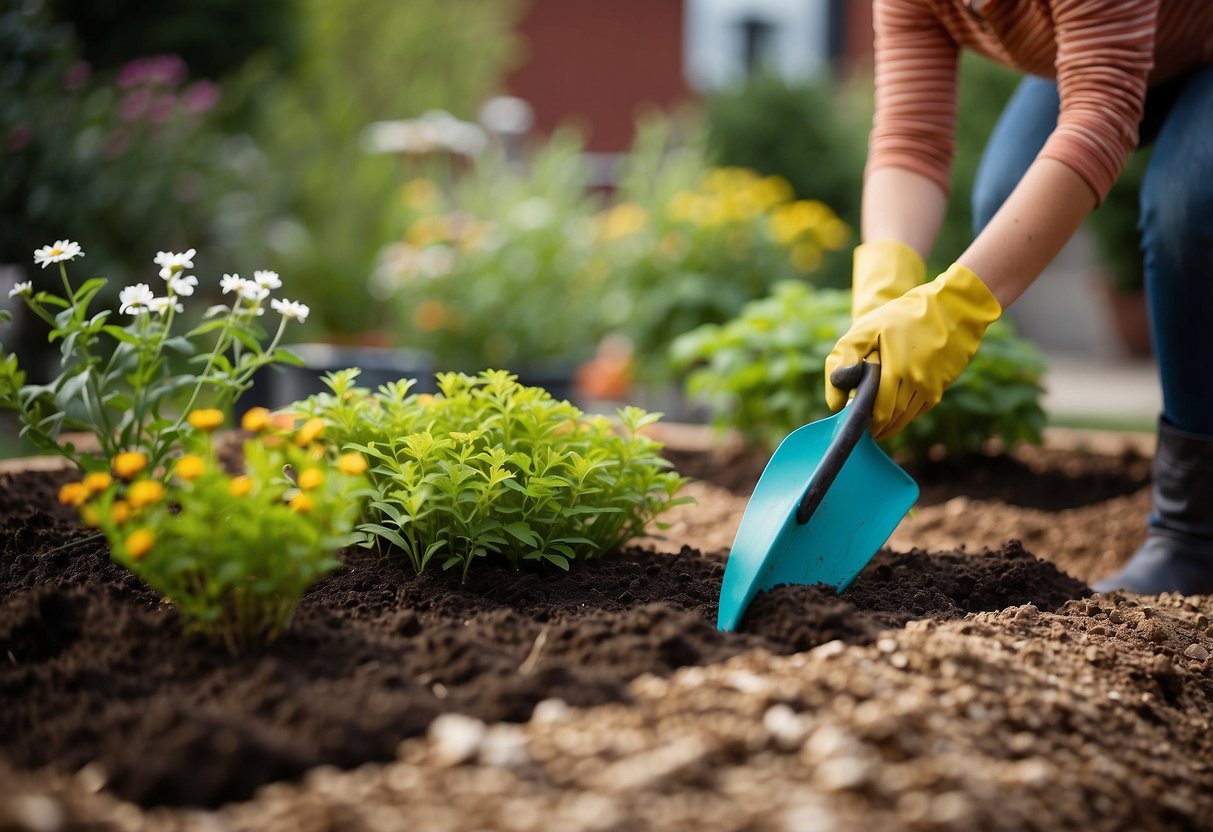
{"x": 1177, "y": 555}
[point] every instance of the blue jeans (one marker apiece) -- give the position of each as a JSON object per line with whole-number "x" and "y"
{"x": 1176, "y": 222}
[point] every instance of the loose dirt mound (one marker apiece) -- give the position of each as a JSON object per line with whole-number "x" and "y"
{"x": 97, "y": 671}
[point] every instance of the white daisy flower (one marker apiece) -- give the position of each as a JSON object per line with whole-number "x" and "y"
{"x": 249, "y": 290}
{"x": 135, "y": 299}
{"x": 231, "y": 283}
{"x": 182, "y": 284}
{"x": 22, "y": 288}
{"x": 173, "y": 263}
{"x": 291, "y": 309}
{"x": 162, "y": 305}
{"x": 61, "y": 251}
{"x": 267, "y": 279}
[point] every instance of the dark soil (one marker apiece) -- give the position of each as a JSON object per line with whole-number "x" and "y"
{"x": 93, "y": 668}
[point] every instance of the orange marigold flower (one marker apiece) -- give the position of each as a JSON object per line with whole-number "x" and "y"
{"x": 73, "y": 494}
{"x": 129, "y": 463}
{"x": 120, "y": 511}
{"x": 310, "y": 432}
{"x": 255, "y": 419}
{"x": 352, "y": 464}
{"x": 240, "y": 486}
{"x": 140, "y": 543}
{"x": 145, "y": 493}
{"x": 208, "y": 418}
{"x": 311, "y": 478}
{"x": 97, "y": 482}
{"x": 283, "y": 421}
{"x": 302, "y": 503}
{"x": 190, "y": 467}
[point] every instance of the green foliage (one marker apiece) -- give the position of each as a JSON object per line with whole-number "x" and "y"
{"x": 814, "y": 134}
{"x": 136, "y": 158}
{"x": 133, "y": 386}
{"x": 360, "y": 63}
{"x": 763, "y": 375}
{"x": 690, "y": 244}
{"x": 491, "y": 271}
{"x": 215, "y": 37}
{"x": 233, "y": 554}
{"x": 491, "y": 468}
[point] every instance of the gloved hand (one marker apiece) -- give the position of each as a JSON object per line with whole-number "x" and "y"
{"x": 884, "y": 270}
{"x": 923, "y": 341}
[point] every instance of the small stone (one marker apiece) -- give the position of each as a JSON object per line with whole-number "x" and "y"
{"x": 456, "y": 738}
{"x": 550, "y": 710}
{"x": 1028, "y": 612}
{"x": 784, "y": 726}
{"x": 1197, "y": 652}
{"x": 504, "y": 746}
{"x": 887, "y": 645}
{"x": 34, "y": 813}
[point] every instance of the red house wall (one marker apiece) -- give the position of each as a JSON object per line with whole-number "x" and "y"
{"x": 597, "y": 63}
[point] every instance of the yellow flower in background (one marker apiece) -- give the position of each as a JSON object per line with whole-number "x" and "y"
{"x": 793, "y": 219}
{"x": 140, "y": 543}
{"x": 426, "y": 231}
{"x": 73, "y": 494}
{"x": 120, "y": 511}
{"x": 621, "y": 221}
{"x": 772, "y": 190}
{"x": 145, "y": 493}
{"x": 97, "y": 482}
{"x": 806, "y": 256}
{"x": 255, "y": 419}
{"x": 725, "y": 180}
{"x": 431, "y": 316}
{"x": 419, "y": 194}
{"x": 684, "y": 206}
{"x": 425, "y": 399}
{"x": 834, "y": 234}
{"x": 240, "y": 485}
{"x": 129, "y": 463}
{"x": 301, "y": 503}
{"x": 351, "y": 464}
{"x": 207, "y": 418}
{"x": 190, "y": 467}
{"x": 311, "y": 478}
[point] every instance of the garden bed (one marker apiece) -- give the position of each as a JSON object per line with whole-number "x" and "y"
{"x": 949, "y": 688}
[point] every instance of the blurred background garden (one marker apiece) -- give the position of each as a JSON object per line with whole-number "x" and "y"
{"x": 645, "y": 200}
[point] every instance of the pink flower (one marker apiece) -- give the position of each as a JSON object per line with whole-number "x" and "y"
{"x": 200, "y": 96}
{"x": 134, "y": 105}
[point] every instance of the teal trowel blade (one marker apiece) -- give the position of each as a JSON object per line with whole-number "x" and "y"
{"x": 858, "y": 513}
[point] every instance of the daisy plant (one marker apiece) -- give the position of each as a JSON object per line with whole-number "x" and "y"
{"x": 233, "y": 553}
{"x": 131, "y": 382}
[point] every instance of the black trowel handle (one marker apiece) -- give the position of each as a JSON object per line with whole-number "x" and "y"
{"x": 864, "y": 379}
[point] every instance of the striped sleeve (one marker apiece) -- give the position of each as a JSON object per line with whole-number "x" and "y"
{"x": 915, "y": 116}
{"x": 1104, "y": 56}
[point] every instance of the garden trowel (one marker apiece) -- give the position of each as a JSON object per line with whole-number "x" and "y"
{"x": 826, "y": 502}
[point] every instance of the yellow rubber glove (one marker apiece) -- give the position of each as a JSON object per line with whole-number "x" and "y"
{"x": 884, "y": 270}
{"x": 923, "y": 341}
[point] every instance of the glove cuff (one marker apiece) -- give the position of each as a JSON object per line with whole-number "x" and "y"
{"x": 968, "y": 295}
{"x": 884, "y": 270}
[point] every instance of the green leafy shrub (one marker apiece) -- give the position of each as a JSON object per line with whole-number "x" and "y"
{"x": 489, "y": 467}
{"x": 233, "y": 554}
{"x": 492, "y": 270}
{"x": 762, "y": 374}
{"x": 688, "y": 244}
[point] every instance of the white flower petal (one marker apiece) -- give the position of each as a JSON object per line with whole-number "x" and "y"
{"x": 61, "y": 251}
{"x": 290, "y": 309}
{"x": 267, "y": 279}
{"x": 135, "y": 299}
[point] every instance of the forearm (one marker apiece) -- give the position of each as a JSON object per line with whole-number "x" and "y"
{"x": 1031, "y": 227}
{"x": 899, "y": 204}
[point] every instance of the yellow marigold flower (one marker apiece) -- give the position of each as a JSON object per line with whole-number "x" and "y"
{"x": 73, "y": 494}
{"x": 120, "y": 511}
{"x": 207, "y": 418}
{"x": 310, "y": 432}
{"x": 190, "y": 467}
{"x": 140, "y": 543}
{"x": 623, "y": 220}
{"x": 97, "y": 482}
{"x": 129, "y": 463}
{"x": 283, "y": 421}
{"x": 90, "y": 515}
{"x": 255, "y": 419}
{"x": 302, "y": 503}
{"x": 240, "y": 486}
{"x": 145, "y": 493}
{"x": 806, "y": 256}
{"x": 351, "y": 464}
{"x": 834, "y": 234}
{"x": 311, "y": 478}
